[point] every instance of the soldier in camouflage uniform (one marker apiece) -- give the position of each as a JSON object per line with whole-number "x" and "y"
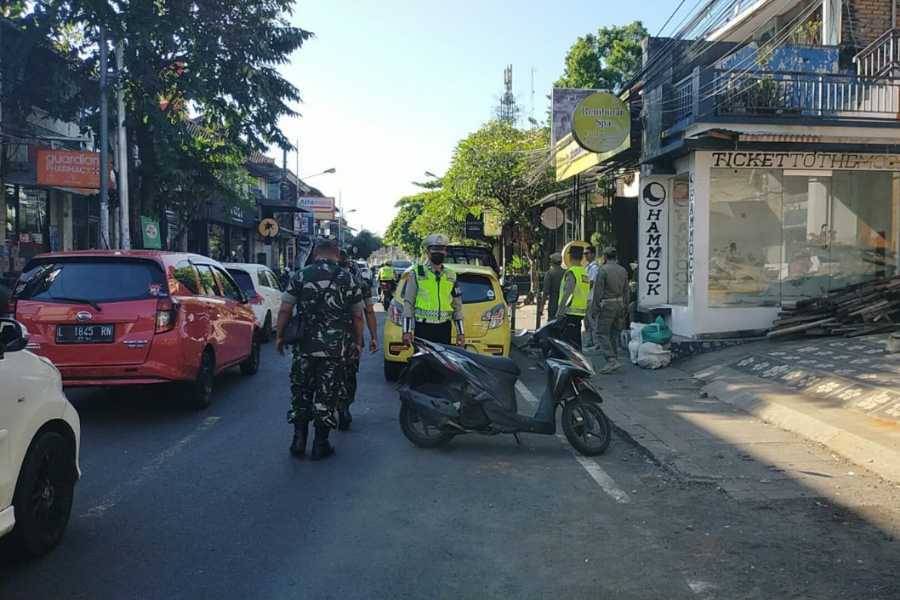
{"x": 348, "y": 394}
{"x": 330, "y": 305}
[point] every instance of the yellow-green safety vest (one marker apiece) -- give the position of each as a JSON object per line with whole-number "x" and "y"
{"x": 386, "y": 273}
{"x": 434, "y": 296}
{"x": 578, "y": 304}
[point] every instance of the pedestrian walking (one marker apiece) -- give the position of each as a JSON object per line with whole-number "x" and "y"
{"x": 609, "y": 303}
{"x": 552, "y": 280}
{"x": 590, "y": 323}
{"x": 348, "y": 395}
{"x": 573, "y": 298}
{"x": 329, "y": 304}
{"x": 432, "y": 300}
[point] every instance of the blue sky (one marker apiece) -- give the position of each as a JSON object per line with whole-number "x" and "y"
{"x": 390, "y": 86}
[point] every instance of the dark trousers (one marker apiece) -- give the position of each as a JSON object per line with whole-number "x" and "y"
{"x": 571, "y": 331}
{"x": 435, "y": 332}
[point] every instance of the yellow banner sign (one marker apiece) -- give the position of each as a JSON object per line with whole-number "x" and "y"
{"x": 571, "y": 159}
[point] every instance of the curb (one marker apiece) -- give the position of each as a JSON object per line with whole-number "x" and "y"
{"x": 879, "y": 459}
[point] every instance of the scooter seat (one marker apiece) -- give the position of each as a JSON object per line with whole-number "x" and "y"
{"x": 497, "y": 363}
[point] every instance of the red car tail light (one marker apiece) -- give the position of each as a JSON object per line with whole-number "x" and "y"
{"x": 166, "y": 315}
{"x": 256, "y": 298}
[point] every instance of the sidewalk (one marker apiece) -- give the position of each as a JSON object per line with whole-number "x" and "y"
{"x": 700, "y": 431}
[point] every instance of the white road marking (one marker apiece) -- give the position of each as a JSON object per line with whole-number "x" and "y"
{"x": 700, "y": 587}
{"x": 601, "y": 477}
{"x": 115, "y": 496}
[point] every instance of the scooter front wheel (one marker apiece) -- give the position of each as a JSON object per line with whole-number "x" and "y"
{"x": 586, "y": 427}
{"x": 418, "y": 432}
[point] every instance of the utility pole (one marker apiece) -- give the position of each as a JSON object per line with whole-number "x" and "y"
{"x": 104, "y": 142}
{"x": 124, "y": 214}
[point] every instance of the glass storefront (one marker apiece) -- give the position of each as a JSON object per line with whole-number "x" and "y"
{"x": 779, "y": 235}
{"x": 216, "y": 241}
{"x": 239, "y": 244}
{"x": 27, "y": 221}
{"x": 85, "y": 223}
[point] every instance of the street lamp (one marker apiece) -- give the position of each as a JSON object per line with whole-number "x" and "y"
{"x": 430, "y": 174}
{"x": 341, "y": 224}
{"x": 330, "y": 171}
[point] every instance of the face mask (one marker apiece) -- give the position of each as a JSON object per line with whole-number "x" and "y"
{"x": 437, "y": 257}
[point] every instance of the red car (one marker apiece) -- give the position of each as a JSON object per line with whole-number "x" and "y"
{"x": 124, "y": 317}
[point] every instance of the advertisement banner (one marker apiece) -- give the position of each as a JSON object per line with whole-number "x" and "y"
{"x": 68, "y": 168}
{"x": 562, "y": 106}
{"x": 150, "y": 233}
{"x": 316, "y": 203}
{"x": 653, "y": 226}
{"x": 572, "y": 159}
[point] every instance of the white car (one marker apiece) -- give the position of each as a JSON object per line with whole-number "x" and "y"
{"x": 263, "y": 288}
{"x": 39, "y": 443}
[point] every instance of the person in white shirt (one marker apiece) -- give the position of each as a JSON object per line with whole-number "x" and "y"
{"x": 590, "y": 324}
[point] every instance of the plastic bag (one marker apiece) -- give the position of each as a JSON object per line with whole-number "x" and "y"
{"x": 657, "y": 332}
{"x": 633, "y": 346}
{"x": 653, "y": 356}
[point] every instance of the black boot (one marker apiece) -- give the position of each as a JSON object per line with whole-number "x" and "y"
{"x": 344, "y": 419}
{"x": 301, "y": 434}
{"x": 321, "y": 448}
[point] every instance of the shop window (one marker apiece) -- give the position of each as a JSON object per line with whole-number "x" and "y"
{"x": 745, "y": 237}
{"x": 238, "y": 244}
{"x": 216, "y": 241}
{"x": 679, "y": 238}
{"x": 85, "y": 223}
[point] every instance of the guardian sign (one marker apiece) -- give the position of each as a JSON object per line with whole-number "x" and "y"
{"x": 653, "y": 222}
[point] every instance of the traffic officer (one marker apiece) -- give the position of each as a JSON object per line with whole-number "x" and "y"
{"x": 573, "y": 297}
{"x": 330, "y": 306}
{"x": 432, "y": 299}
{"x": 609, "y": 303}
{"x": 386, "y": 272}
{"x": 348, "y": 395}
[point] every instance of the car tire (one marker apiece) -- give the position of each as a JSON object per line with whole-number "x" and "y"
{"x": 198, "y": 393}
{"x": 251, "y": 365}
{"x": 392, "y": 370}
{"x": 265, "y": 333}
{"x": 44, "y": 493}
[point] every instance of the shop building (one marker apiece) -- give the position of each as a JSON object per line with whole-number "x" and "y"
{"x": 225, "y": 233}
{"x": 770, "y": 168}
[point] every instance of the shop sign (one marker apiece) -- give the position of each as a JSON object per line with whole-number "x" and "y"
{"x": 842, "y": 161}
{"x": 316, "y": 203}
{"x": 493, "y": 227}
{"x": 562, "y": 106}
{"x": 324, "y": 216}
{"x": 571, "y": 159}
{"x": 68, "y": 168}
{"x": 653, "y": 224}
{"x": 474, "y": 228}
{"x": 150, "y": 231}
{"x": 602, "y": 124}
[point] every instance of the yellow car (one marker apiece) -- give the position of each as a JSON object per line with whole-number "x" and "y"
{"x": 485, "y": 312}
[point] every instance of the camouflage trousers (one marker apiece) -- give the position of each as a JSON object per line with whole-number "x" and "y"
{"x": 348, "y": 393}
{"x": 317, "y": 384}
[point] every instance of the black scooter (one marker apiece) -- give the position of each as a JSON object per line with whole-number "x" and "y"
{"x": 446, "y": 391}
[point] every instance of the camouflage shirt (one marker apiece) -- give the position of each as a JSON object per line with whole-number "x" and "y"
{"x": 326, "y": 297}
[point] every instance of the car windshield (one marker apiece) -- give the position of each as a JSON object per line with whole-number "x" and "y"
{"x": 91, "y": 280}
{"x": 244, "y": 281}
{"x": 401, "y": 264}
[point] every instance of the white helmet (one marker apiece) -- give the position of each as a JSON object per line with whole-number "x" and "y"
{"x": 437, "y": 239}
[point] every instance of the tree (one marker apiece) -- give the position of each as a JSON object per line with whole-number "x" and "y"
{"x": 505, "y": 170}
{"x": 400, "y": 232}
{"x": 604, "y": 61}
{"x": 202, "y": 87}
{"x": 365, "y": 243}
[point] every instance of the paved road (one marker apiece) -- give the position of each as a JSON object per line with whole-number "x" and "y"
{"x": 178, "y": 504}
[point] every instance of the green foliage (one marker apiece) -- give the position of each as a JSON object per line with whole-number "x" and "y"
{"x": 606, "y": 60}
{"x": 365, "y": 242}
{"x": 216, "y": 59}
{"x": 400, "y": 232}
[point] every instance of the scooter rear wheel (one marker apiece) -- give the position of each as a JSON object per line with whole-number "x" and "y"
{"x": 586, "y": 427}
{"x": 417, "y": 432}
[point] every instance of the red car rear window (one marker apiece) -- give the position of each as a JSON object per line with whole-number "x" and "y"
{"x": 91, "y": 279}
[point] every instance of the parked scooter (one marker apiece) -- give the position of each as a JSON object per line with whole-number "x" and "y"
{"x": 446, "y": 391}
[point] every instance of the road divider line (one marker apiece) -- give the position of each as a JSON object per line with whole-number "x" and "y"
{"x": 118, "y": 492}
{"x": 596, "y": 472}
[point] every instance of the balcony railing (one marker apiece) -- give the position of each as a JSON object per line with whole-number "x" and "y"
{"x": 881, "y": 57}
{"x": 803, "y": 94}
